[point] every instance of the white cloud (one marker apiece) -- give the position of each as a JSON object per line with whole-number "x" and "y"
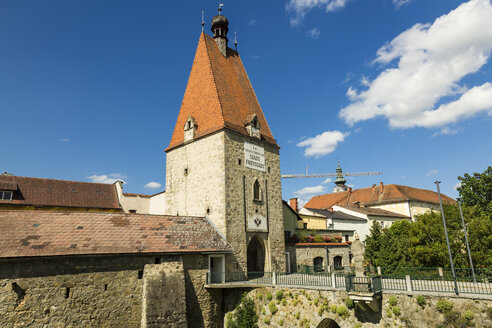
{"x": 65, "y": 139}
{"x": 322, "y": 144}
{"x": 301, "y": 7}
{"x": 309, "y": 190}
{"x": 446, "y": 131}
{"x": 455, "y": 187}
{"x": 431, "y": 172}
{"x": 423, "y": 87}
{"x": 252, "y": 22}
{"x": 255, "y": 56}
{"x": 314, "y": 33}
{"x": 327, "y": 180}
{"x": 399, "y": 3}
{"x": 106, "y": 178}
{"x": 153, "y": 185}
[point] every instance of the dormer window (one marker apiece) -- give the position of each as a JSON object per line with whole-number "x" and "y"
{"x": 190, "y": 129}
{"x": 253, "y": 127}
{"x": 6, "y": 195}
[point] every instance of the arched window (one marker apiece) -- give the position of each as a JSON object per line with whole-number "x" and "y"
{"x": 318, "y": 264}
{"x": 256, "y": 191}
{"x": 337, "y": 263}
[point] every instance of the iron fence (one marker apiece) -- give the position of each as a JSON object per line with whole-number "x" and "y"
{"x": 321, "y": 279}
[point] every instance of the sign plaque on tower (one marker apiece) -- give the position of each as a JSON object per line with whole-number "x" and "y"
{"x": 254, "y": 157}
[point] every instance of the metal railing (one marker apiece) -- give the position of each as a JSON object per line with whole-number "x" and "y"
{"x": 391, "y": 279}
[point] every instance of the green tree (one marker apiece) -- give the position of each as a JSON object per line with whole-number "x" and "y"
{"x": 373, "y": 243}
{"x": 245, "y": 315}
{"x": 476, "y": 190}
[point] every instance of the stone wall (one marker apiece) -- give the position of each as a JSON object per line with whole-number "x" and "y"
{"x": 195, "y": 180}
{"x": 71, "y": 292}
{"x": 108, "y": 291}
{"x": 164, "y": 299}
{"x": 305, "y": 254}
{"x": 239, "y": 198}
{"x": 308, "y": 308}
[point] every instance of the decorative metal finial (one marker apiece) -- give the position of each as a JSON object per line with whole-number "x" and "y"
{"x": 220, "y": 8}
{"x": 203, "y": 21}
{"x": 235, "y": 41}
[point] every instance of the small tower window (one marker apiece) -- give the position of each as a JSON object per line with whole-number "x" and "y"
{"x": 256, "y": 191}
{"x": 253, "y": 127}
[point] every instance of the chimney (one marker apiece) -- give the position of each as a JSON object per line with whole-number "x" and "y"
{"x": 331, "y": 209}
{"x": 293, "y": 204}
{"x": 349, "y": 190}
{"x": 220, "y": 27}
{"x": 382, "y": 187}
{"x": 357, "y": 204}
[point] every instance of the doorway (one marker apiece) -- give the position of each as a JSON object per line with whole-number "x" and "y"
{"x": 256, "y": 256}
{"x": 216, "y": 268}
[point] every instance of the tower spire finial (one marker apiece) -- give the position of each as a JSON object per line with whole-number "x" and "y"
{"x": 220, "y": 8}
{"x": 235, "y": 41}
{"x": 203, "y": 21}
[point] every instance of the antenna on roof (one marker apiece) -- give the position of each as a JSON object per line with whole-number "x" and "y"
{"x": 235, "y": 41}
{"x": 203, "y": 21}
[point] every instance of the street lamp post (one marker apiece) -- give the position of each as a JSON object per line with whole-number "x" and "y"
{"x": 466, "y": 240}
{"x": 447, "y": 238}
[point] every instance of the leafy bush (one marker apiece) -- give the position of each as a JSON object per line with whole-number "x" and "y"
{"x": 468, "y": 315}
{"x": 269, "y": 296}
{"x": 396, "y": 310}
{"x": 263, "y": 311}
{"x": 342, "y": 311}
{"x": 393, "y": 301}
{"x": 321, "y": 310}
{"x": 296, "y": 295}
{"x": 272, "y": 307}
{"x": 290, "y": 294}
{"x": 298, "y": 315}
{"x": 259, "y": 296}
{"x": 284, "y": 302}
{"x": 318, "y": 239}
{"x": 279, "y": 295}
{"x": 266, "y": 321}
{"x": 349, "y": 303}
{"x": 281, "y": 322}
{"x": 357, "y": 325}
{"x": 443, "y": 305}
{"x": 245, "y": 314}
{"x": 421, "y": 301}
{"x": 333, "y": 308}
{"x": 316, "y": 301}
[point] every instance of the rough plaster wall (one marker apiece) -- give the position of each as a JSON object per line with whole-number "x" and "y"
{"x": 135, "y": 203}
{"x": 158, "y": 204}
{"x": 40, "y": 298}
{"x": 164, "y": 299}
{"x": 203, "y": 186}
{"x": 274, "y": 240}
{"x": 204, "y": 306}
{"x": 412, "y": 315}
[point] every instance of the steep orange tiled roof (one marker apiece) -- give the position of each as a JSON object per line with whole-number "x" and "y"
{"x": 49, "y": 192}
{"x": 377, "y": 195}
{"x": 218, "y": 95}
{"x": 44, "y": 233}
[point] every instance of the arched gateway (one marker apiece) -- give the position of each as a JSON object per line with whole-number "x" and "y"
{"x": 328, "y": 323}
{"x": 256, "y": 255}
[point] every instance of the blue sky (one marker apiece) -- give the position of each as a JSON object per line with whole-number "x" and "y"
{"x": 90, "y": 90}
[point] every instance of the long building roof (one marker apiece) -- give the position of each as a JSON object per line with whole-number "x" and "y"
{"x": 46, "y": 233}
{"x": 379, "y": 194}
{"x": 218, "y": 95}
{"x": 50, "y": 192}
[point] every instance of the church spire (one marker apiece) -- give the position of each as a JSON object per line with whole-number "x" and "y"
{"x": 220, "y": 27}
{"x": 339, "y": 181}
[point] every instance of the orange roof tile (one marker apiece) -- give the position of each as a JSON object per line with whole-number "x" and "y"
{"x": 218, "y": 95}
{"x": 43, "y": 233}
{"x": 376, "y": 195}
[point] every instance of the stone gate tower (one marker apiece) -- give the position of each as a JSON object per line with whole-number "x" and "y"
{"x": 223, "y": 162}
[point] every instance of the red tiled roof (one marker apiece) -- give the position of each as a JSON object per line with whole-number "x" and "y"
{"x": 43, "y": 233}
{"x": 374, "y": 211}
{"x": 377, "y": 195}
{"x": 49, "y": 192}
{"x": 218, "y": 95}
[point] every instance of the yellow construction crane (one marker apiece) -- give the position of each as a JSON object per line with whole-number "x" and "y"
{"x": 339, "y": 174}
